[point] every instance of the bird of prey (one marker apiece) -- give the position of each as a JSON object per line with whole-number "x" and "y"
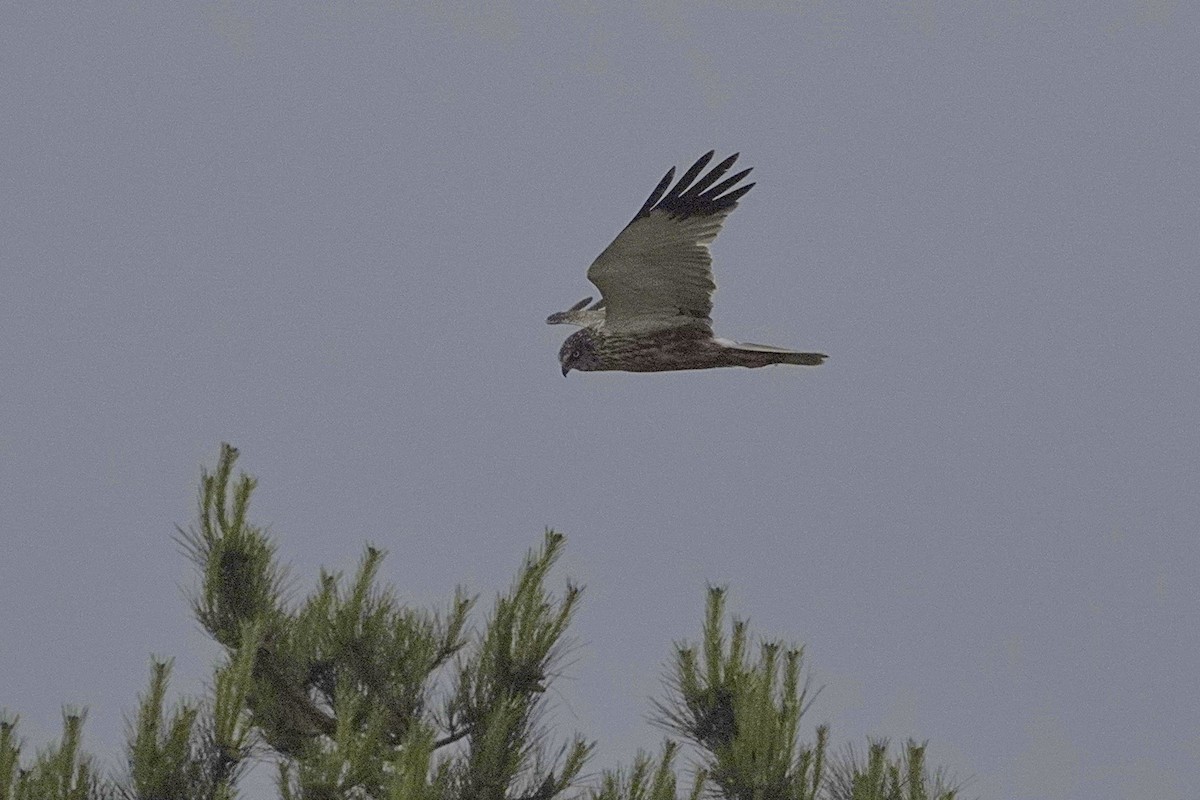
{"x": 656, "y": 286}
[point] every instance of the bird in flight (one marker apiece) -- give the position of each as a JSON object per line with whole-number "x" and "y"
{"x": 656, "y": 286}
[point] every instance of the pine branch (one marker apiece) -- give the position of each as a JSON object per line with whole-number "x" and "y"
{"x": 743, "y": 716}
{"x": 341, "y": 687}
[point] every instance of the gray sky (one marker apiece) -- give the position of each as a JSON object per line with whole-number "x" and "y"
{"x": 330, "y": 235}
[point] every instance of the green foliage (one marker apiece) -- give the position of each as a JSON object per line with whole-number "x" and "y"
{"x": 341, "y": 682}
{"x": 240, "y": 578}
{"x": 59, "y": 772}
{"x": 354, "y": 694}
{"x": 881, "y": 777}
{"x": 501, "y": 685}
{"x": 195, "y": 751}
{"x": 647, "y": 780}
{"x": 743, "y": 714}
{"x": 159, "y": 745}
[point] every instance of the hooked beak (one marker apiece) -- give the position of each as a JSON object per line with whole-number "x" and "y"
{"x": 566, "y": 369}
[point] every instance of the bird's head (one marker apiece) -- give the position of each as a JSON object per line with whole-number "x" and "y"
{"x": 579, "y": 352}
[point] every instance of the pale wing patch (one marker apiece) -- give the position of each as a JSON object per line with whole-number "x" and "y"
{"x": 658, "y": 272}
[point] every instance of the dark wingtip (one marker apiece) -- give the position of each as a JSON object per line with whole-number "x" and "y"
{"x": 690, "y": 196}
{"x": 685, "y": 181}
{"x": 657, "y": 194}
{"x": 733, "y": 196}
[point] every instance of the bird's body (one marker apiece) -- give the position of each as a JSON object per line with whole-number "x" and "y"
{"x": 656, "y": 285}
{"x": 593, "y": 349}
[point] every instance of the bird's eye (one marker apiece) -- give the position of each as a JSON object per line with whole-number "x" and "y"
{"x": 574, "y": 354}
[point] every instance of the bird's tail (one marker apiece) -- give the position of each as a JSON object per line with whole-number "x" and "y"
{"x": 761, "y": 355}
{"x": 804, "y": 359}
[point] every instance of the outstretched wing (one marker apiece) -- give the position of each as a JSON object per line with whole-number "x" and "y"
{"x": 657, "y": 273}
{"x": 579, "y": 314}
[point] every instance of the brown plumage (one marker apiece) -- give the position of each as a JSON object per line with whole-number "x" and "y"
{"x": 656, "y": 285}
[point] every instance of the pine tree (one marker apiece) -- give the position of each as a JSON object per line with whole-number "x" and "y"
{"x": 354, "y": 694}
